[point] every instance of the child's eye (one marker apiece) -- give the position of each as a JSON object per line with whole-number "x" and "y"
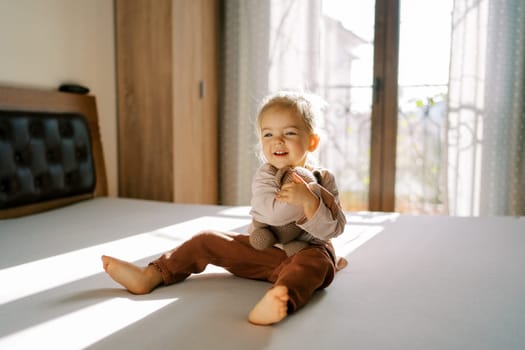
{"x": 268, "y": 134}
{"x": 291, "y": 133}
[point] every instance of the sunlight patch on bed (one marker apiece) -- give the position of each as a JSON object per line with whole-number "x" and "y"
{"x": 241, "y": 211}
{"x": 370, "y": 217}
{"x": 354, "y": 237}
{"x": 360, "y": 228}
{"x": 82, "y": 263}
{"x": 98, "y": 322}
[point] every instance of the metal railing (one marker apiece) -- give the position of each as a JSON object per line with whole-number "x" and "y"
{"x": 345, "y": 146}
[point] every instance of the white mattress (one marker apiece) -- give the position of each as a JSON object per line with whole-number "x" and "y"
{"x": 413, "y": 282}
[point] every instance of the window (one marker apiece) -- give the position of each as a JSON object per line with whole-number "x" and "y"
{"x": 400, "y": 134}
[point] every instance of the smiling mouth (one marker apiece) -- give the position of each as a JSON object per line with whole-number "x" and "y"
{"x": 280, "y": 153}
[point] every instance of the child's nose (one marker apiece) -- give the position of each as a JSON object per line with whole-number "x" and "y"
{"x": 279, "y": 140}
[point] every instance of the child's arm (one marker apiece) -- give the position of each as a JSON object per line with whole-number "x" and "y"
{"x": 328, "y": 220}
{"x": 299, "y": 194}
{"x": 265, "y": 207}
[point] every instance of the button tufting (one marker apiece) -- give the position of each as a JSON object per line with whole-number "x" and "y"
{"x": 44, "y": 156}
{"x": 4, "y": 186}
{"x": 65, "y": 128}
{"x": 81, "y": 153}
{"x": 50, "y": 155}
{"x": 38, "y": 181}
{"x": 4, "y": 130}
{"x": 18, "y": 157}
{"x": 36, "y": 129}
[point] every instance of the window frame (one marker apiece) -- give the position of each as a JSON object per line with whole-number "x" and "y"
{"x": 384, "y": 107}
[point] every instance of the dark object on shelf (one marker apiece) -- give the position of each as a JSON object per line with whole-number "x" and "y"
{"x": 73, "y": 88}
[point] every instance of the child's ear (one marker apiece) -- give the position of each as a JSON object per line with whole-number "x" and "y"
{"x": 314, "y": 142}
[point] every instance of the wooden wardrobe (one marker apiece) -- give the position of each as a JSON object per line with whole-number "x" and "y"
{"x": 167, "y": 81}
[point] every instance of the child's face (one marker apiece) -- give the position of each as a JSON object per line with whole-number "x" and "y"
{"x": 285, "y": 138}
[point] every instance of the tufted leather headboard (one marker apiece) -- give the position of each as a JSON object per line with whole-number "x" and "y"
{"x": 50, "y": 150}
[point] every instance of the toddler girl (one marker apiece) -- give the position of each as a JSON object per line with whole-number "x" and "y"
{"x": 286, "y": 131}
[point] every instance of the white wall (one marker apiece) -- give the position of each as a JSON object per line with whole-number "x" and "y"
{"x": 44, "y": 43}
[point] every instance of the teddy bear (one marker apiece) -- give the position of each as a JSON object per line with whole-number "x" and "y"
{"x": 263, "y": 236}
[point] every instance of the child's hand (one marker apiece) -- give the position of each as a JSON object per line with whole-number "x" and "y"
{"x": 297, "y": 193}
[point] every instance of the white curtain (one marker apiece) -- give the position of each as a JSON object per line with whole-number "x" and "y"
{"x": 267, "y": 45}
{"x": 486, "y": 125}
{"x": 275, "y": 44}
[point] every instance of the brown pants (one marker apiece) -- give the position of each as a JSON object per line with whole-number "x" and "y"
{"x": 305, "y": 272}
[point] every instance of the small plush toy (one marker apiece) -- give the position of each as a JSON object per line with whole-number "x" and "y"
{"x": 263, "y": 236}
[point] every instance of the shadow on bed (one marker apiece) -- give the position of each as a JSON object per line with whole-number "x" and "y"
{"x": 204, "y": 312}
{"x": 198, "y": 318}
{"x": 207, "y": 321}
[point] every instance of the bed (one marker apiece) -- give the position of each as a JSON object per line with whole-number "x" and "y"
{"x": 413, "y": 282}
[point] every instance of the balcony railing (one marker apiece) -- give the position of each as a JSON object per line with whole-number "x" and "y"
{"x": 345, "y": 146}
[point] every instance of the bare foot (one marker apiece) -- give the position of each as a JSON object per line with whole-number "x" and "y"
{"x": 341, "y": 263}
{"x": 272, "y": 308}
{"x": 137, "y": 280}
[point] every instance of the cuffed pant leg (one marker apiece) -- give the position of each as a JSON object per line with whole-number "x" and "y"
{"x": 305, "y": 272}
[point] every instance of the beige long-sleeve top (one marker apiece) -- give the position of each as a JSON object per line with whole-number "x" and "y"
{"x": 328, "y": 221}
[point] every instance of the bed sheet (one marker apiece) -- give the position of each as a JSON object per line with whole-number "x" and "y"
{"x": 413, "y": 282}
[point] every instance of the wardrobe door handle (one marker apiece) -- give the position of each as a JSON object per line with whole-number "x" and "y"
{"x": 201, "y": 89}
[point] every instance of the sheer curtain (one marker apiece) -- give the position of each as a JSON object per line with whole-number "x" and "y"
{"x": 486, "y": 125}
{"x": 275, "y": 44}
{"x": 267, "y": 45}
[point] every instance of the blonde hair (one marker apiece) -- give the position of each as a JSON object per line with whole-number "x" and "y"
{"x": 308, "y": 106}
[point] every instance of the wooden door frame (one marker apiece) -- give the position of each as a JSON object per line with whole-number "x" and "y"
{"x": 384, "y": 108}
